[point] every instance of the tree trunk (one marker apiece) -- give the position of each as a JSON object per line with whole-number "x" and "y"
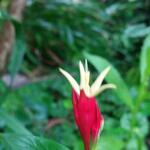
{"x": 7, "y": 34}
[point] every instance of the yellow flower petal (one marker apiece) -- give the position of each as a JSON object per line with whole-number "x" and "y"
{"x": 102, "y": 88}
{"x": 97, "y": 83}
{"x": 71, "y": 80}
{"x": 82, "y": 75}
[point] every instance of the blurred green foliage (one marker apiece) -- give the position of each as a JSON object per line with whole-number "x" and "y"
{"x": 57, "y": 33}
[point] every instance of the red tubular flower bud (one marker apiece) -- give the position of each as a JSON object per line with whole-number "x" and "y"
{"x": 86, "y": 111}
{"x": 87, "y": 116}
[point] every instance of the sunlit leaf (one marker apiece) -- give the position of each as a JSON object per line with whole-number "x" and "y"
{"x": 113, "y": 77}
{"x": 145, "y": 60}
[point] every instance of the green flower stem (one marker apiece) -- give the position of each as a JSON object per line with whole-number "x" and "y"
{"x": 94, "y": 146}
{"x": 139, "y": 100}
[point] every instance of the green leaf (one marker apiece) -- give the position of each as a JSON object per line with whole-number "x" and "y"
{"x": 135, "y": 31}
{"x": 145, "y": 60}
{"x": 113, "y": 77}
{"x": 141, "y": 128}
{"x": 13, "y": 124}
{"x": 4, "y": 15}
{"x": 22, "y": 139}
{"x": 109, "y": 142}
{"x": 19, "y": 50}
{"x": 25, "y": 142}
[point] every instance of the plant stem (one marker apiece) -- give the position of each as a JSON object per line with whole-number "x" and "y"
{"x": 139, "y": 100}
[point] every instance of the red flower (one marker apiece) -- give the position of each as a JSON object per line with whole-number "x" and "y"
{"x": 86, "y": 111}
{"x": 87, "y": 116}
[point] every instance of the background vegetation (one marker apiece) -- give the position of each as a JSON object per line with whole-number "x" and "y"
{"x": 35, "y": 100}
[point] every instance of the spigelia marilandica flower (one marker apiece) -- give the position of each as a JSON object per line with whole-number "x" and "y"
{"x": 86, "y": 111}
